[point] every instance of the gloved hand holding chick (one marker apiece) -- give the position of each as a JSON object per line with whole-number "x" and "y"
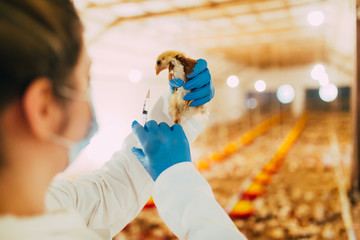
{"x": 190, "y": 82}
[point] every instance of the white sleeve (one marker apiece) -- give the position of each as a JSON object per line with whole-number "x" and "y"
{"x": 187, "y": 206}
{"x": 113, "y": 196}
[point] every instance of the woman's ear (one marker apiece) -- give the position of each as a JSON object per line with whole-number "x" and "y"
{"x": 41, "y": 111}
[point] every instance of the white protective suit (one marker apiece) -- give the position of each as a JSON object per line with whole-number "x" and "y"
{"x": 100, "y": 205}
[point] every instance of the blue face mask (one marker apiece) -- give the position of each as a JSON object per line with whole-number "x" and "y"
{"x": 75, "y": 150}
{"x": 76, "y": 147}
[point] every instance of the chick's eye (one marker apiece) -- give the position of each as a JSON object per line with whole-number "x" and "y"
{"x": 158, "y": 62}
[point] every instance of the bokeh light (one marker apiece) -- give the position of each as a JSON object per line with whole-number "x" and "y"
{"x": 232, "y": 81}
{"x": 316, "y": 18}
{"x": 318, "y": 71}
{"x": 324, "y": 80}
{"x": 328, "y": 93}
{"x": 285, "y": 93}
{"x": 135, "y": 76}
{"x": 251, "y": 103}
{"x": 260, "y": 85}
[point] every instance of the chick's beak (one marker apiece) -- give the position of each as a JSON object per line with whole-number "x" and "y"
{"x": 158, "y": 70}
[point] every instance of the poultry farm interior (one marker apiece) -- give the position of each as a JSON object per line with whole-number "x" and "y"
{"x": 302, "y": 199}
{"x": 279, "y": 141}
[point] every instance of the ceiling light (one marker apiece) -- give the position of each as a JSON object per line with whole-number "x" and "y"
{"x": 135, "y": 76}
{"x": 260, "y": 85}
{"x": 324, "y": 80}
{"x": 328, "y": 93}
{"x": 315, "y": 18}
{"x": 317, "y": 72}
{"x": 251, "y": 103}
{"x": 232, "y": 81}
{"x": 285, "y": 93}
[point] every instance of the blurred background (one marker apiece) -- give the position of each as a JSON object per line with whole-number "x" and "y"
{"x": 278, "y": 145}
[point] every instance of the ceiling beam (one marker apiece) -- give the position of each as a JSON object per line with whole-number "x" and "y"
{"x": 255, "y": 33}
{"x": 177, "y": 11}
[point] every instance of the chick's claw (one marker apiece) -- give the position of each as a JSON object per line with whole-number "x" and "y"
{"x": 187, "y": 104}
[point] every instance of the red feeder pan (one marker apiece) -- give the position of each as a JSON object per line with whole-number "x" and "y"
{"x": 242, "y": 209}
{"x": 271, "y": 167}
{"x": 253, "y": 191}
{"x": 150, "y": 203}
{"x": 262, "y": 178}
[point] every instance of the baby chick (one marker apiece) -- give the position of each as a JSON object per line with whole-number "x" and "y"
{"x": 179, "y": 66}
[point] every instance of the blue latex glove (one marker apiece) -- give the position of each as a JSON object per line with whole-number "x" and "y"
{"x": 162, "y": 146}
{"x": 199, "y": 82}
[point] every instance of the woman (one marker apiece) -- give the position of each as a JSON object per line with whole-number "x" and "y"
{"x": 46, "y": 118}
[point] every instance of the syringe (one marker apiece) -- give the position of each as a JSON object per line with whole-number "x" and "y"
{"x": 145, "y": 110}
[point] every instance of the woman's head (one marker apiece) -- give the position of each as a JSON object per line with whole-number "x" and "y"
{"x": 41, "y": 51}
{"x": 39, "y": 38}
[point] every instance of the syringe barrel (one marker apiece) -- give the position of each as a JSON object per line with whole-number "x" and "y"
{"x": 145, "y": 111}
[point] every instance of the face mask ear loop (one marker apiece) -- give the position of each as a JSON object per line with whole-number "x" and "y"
{"x": 68, "y": 92}
{"x": 63, "y": 141}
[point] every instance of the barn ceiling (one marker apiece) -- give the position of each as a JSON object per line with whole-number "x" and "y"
{"x": 256, "y": 33}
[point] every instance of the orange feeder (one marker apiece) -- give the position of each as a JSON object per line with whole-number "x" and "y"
{"x": 276, "y": 161}
{"x": 217, "y": 157}
{"x": 242, "y": 209}
{"x": 271, "y": 167}
{"x": 253, "y": 191}
{"x": 280, "y": 156}
{"x": 262, "y": 178}
{"x": 247, "y": 138}
{"x": 280, "y": 160}
{"x": 203, "y": 165}
{"x": 230, "y": 148}
{"x": 150, "y": 203}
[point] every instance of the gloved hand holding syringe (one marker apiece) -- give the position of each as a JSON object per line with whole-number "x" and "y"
{"x": 145, "y": 112}
{"x": 174, "y": 144}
